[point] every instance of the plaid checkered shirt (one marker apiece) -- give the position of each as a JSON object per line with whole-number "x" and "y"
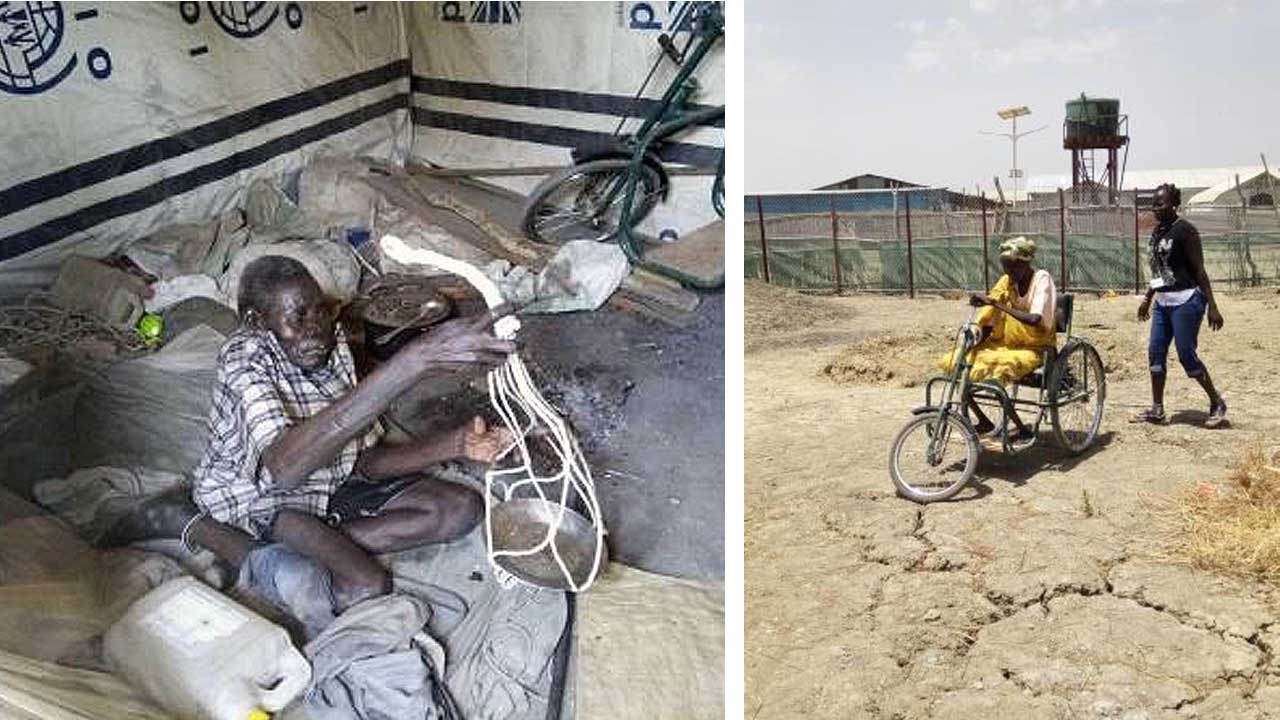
{"x": 257, "y": 396}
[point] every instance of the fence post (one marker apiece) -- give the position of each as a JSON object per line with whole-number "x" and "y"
{"x": 835, "y": 244}
{"x": 911, "y": 274}
{"x": 764, "y": 245}
{"x": 897, "y": 223}
{"x": 1062, "y": 236}
{"x": 1137, "y": 279}
{"x": 986, "y": 262}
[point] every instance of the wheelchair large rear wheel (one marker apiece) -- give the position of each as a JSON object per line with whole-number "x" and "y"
{"x": 1077, "y": 396}
{"x": 926, "y": 479}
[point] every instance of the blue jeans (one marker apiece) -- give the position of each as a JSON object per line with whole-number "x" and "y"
{"x": 1179, "y": 324}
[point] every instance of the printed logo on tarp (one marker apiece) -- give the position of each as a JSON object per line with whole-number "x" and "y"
{"x": 241, "y": 20}
{"x": 32, "y": 56}
{"x": 659, "y": 15}
{"x": 483, "y": 13}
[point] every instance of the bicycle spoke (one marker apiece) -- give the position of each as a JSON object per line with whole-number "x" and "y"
{"x": 932, "y": 472}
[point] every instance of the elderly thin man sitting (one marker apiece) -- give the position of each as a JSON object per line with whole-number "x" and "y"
{"x": 295, "y": 453}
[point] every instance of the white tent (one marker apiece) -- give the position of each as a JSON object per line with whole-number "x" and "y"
{"x": 120, "y": 118}
{"x": 1256, "y": 187}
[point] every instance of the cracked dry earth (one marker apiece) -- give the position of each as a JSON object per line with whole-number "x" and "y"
{"x": 1014, "y": 600}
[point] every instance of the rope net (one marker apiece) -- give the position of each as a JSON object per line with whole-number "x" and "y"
{"x": 529, "y": 418}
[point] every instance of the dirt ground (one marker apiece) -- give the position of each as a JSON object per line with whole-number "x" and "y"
{"x": 1048, "y": 588}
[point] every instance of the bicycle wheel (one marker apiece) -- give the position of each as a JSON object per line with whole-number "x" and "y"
{"x": 923, "y": 479}
{"x": 584, "y": 202}
{"x": 1077, "y": 395}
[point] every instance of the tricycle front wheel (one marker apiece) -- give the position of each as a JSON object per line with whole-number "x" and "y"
{"x": 933, "y": 458}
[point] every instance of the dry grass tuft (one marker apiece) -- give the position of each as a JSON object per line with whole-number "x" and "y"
{"x": 1235, "y": 528}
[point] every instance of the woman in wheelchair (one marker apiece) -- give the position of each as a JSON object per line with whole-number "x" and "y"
{"x": 1017, "y": 325}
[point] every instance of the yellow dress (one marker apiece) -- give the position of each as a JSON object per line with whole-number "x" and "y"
{"x": 1013, "y": 349}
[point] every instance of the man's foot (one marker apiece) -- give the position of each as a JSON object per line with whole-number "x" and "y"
{"x": 161, "y": 517}
{"x": 1217, "y": 415}
{"x": 1154, "y": 415}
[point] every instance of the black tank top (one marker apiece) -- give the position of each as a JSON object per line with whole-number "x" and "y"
{"x": 1170, "y": 270}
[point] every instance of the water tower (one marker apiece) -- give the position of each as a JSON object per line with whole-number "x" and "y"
{"x": 1094, "y": 124}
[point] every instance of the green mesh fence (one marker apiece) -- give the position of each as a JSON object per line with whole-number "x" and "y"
{"x": 945, "y": 252}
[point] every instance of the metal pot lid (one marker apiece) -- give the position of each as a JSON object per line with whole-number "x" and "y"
{"x": 406, "y": 302}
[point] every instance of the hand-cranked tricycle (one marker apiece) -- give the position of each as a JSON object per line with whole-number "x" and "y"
{"x": 936, "y": 453}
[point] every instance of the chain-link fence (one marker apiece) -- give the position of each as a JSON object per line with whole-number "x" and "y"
{"x": 911, "y": 239}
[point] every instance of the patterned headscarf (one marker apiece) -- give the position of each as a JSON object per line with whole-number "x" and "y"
{"x": 1018, "y": 248}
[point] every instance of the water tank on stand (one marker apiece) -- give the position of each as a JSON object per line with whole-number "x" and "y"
{"x": 1091, "y": 124}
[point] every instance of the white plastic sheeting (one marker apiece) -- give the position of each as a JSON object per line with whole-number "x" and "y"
{"x": 119, "y": 118}
{"x": 502, "y": 84}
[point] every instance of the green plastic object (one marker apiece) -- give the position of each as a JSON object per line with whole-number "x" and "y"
{"x": 150, "y": 327}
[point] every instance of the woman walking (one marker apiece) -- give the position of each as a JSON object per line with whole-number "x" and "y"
{"x": 1180, "y": 288}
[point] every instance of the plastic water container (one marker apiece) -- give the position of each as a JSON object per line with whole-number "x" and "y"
{"x": 200, "y": 655}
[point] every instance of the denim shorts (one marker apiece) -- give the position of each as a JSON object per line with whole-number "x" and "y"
{"x": 1179, "y": 325}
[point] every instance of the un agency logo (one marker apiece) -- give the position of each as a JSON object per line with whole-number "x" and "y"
{"x": 244, "y": 19}
{"x": 33, "y": 58}
{"x": 481, "y": 13}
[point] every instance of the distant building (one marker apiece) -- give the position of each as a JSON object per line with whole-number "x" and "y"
{"x": 869, "y": 181}
{"x": 923, "y": 197}
{"x": 1200, "y": 187}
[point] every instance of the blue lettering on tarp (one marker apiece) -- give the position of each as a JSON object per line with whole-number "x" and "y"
{"x": 644, "y": 17}
{"x": 663, "y": 15}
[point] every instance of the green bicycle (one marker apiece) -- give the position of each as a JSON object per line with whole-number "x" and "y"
{"x": 610, "y": 189}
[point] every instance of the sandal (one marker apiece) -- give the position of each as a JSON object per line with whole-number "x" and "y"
{"x": 1150, "y": 415}
{"x": 1217, "y": 415}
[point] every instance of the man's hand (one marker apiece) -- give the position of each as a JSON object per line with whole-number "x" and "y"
{"x": 1144, "y": 310}
{"x": 481, "y": 443}
{"x": 460, "y": 342}
{"x": 1215, "y": 317}
{"x": 978, "y": 300}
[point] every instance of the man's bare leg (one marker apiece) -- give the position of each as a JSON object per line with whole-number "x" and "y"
{"x": 356, "y": 575}
{"x": 228, "y": 542}
{"x": 429, "y": 511}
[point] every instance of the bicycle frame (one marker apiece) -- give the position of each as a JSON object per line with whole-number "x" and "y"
{"x": 966, "y": 339}
{"x": 959, "y": 380}
{"x": 669, "y": 119}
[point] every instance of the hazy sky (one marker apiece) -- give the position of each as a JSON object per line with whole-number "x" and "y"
{"x": 901, "y": 88}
